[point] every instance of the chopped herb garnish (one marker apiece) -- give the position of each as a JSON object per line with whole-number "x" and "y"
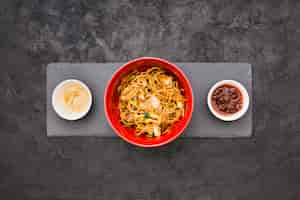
{"x": 146, "y": 115}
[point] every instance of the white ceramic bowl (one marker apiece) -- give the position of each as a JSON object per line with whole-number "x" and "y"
{"x": 234, "y": 116}
{"x": 59, "y": 107}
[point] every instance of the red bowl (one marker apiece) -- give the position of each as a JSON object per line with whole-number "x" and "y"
{"x": 111, "y": 99}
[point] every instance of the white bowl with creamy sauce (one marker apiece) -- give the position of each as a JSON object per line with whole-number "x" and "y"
{"x": 71, "y": 99}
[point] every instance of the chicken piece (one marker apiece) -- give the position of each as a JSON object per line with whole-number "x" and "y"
{"x": 167, "y": 80}
{"x": 156, "y": 131}
{"x": 154, "y": 101}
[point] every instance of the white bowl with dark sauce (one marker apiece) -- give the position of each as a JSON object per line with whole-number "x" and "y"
{"x": 228, "y": 100}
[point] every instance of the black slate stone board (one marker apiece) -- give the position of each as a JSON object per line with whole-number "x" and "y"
{"x": 201, "y": 75}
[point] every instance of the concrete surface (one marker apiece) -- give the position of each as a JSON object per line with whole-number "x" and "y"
{"x": 265, "y": 33}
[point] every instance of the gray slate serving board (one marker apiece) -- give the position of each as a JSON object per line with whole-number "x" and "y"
{"x": 201, "y": 75}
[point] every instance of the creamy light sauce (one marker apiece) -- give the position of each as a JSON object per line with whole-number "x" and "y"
{"x": 74, "y": 97}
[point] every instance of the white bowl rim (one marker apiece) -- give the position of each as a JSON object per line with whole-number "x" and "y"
{"x": 234, "y": 116}
{"x": 59, "y": 112}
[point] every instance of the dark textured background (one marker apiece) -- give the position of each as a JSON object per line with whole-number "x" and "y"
{"x": 265, "y": 33}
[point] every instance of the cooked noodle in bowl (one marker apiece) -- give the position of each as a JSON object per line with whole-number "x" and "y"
{"x": 150, "y": 101}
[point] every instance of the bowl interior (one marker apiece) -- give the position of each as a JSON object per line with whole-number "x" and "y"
{"x": 112, "y": 99}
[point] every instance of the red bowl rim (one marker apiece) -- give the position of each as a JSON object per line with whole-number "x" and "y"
{"x": 131, "y": 141}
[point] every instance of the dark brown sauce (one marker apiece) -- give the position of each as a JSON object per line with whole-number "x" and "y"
{"x": 227, "y": 99}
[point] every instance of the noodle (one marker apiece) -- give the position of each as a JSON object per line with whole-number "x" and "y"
{"x": 150, "y": 101}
